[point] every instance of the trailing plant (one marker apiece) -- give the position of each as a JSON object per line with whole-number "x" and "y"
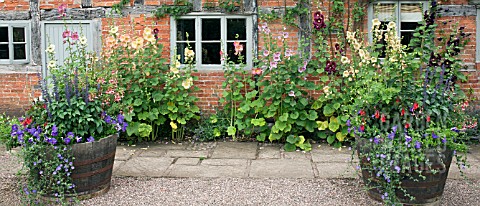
{"x": 229, "y": 6}
{"x": 6, "y": 123}
{"x": 179, "y": 8}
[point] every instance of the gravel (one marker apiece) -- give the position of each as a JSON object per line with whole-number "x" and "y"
{"x": 235, "y": 191}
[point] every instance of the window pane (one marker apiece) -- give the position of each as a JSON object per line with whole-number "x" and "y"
{"x": 4, "y": 51}
{"x": 19, "y": 51}
{"x": 211, "y": 29}
{"x": 211, "y": 53}
{"x": 236, "y": 26}
{"x": 384, "y": 12}
{"x": 181, "y": 51}
{"x": 19, "y": 34}
{"x": 406, "y": 37}
{"x": 409, "y": 25}
{"x": 411, "y": 12}
{"x": 3, "y": 34}
{"x": 231, "y": 52}
{"x": 185, "y": 26}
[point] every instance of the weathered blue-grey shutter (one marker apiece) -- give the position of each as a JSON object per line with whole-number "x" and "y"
{"x": 52, "y": 34}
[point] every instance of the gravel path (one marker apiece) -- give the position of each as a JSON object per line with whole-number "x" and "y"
{"x": 234, "y": 191}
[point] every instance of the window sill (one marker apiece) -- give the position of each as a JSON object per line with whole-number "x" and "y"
{"x": 19, "y": 68}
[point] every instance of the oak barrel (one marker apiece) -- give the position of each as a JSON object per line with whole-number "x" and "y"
{"x": 426, "y": 191}
{"x": 93, "y": 166}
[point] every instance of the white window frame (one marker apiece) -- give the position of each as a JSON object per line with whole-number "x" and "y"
{"x": 223, "y": 29}
{"x": 397, "y": 14}
{"x": 11, "y": 25}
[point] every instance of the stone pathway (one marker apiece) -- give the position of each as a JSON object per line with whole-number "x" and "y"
{"x": 247, "y": 160}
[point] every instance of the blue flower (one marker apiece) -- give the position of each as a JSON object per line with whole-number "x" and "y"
{"x": 391, "y": 135}
{"x": 376, "y": 140}
{"x": 348, "y": 123}
{"x": 70, "y": 134}
{"x": 67, "y": 140}
{"x": 90, "y": 139}
{"x": 434, "y": 136}
{"x": 54, "y": 130}
{"x": 120, "y": 118}
{"x": 383, "y": 156}
{"x": 52, "y": 141}
{"x": 108, "y": 119}
{"x": 407, "y": 138}
{"x": 79, "y": 139}
{"x": 418, "y": 144}
{"x": 124, "y": 126}
{"x": 398, "y": 169}
{"x": 14, "y": 128}
{"x": 444, "y": 140}
{"x": 455, "y": 129}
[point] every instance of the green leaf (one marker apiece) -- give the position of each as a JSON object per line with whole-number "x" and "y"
{"x": 330, "y": 139}
{"x": 274, "y": 136}
{"x": 324, "y": 78}
{"x": 336, "y": 105}
{"x": 328, "y": 110}
{"x": 132, "y": 128}
{"x": 334, "y": 124}
{"x": 322, "y": 135}
{"x": 231, "y": 130}
{"x": 251, "y": 95}
{"x": 301, "y": 140}
{"x": 281, "y": 125}
{"x": 303, "y": 101}
{"x": 289, "y": 147}
{"x": 258, "y": 122}
{"x": 322, "y": 125}
{"x": 312, "y": 115}
{"x": 291, "y": 139}
{"x": 340, "y": 136}
{"x": 294, "y": 115}
{"x": 284, "y": 117}
{"x": 261, "y": 137}
{"x": 137, "y": 102}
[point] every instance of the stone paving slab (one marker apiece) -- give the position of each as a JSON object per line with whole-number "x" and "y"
{"x": 284, "y": 168}
{"x": 335, "y": 170}
{"x": 124, "y": 152}
{"x": 145, "y": 166}
{"x": 187, "y": 153}
{"x": 211, "y": 170}
{"x": 187, "y": 161}
{"x": 471, "y": 172}
{"x": 235, "y": 150}
{"x": 269, "y": 152}
{"x": 116, "y": 165}
{"x": 152, "y": 152}
{"x": 225, "y": 162}
{"x": 297, "y": 155}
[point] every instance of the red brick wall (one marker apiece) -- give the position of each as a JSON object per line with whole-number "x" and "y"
{"x": 17, "y": 91}
{"x": 209, "y": 82}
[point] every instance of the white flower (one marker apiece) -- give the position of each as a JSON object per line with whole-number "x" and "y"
{"x": 187, "y": 83}
{"x": 114, "y": 30}
{"x": 374, "y": 59}
{"x": 376, "y": 22}
{"x": 174, "y": 70}
{"x": 391, "y": 25}
{"x": 361, "y": 52}
{"x": 83, "y": 40}
{"x": 345, "y": 60}
{"x": 51, "y": 49}
{"x": 346, "y": 73}
{"x": 52, "y": 64}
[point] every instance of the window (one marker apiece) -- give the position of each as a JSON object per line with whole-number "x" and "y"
{"x": 407, "y": 15}
{"x": 14, "y": 42}
{"x": 208, "y": 35}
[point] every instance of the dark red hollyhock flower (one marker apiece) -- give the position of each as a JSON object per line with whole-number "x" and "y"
{"x": 155, "y": 33}
{"x": 331, "y": 67}
{"x": 318, "y": 21}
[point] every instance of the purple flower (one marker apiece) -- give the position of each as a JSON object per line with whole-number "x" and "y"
{"x": 434, "y": 136}
{"x": 70, "y": 134}
{"x": 444, "y": 140}
{"x": 407, "y": 139}
{"x": 266, "y": 52}
{"x": 120, "y": 118}
{"x": 273, "y": 64}
{"x": 348, "y": 123}
{"x": 41, "y": 172}
{"x": 418, "y": 145}
{"x": 108, "y": 119}
{"x": 124, "y": 126}
{"x": 67, "y": 140}
{"x": 455, "y": 129}
{"x": 79, "y": 139}
{"x": 376, "y": 140}
{"x": 391, "y": 135}
{"x": 54, "y": 131}
{"x": 276, "y": 56}
{"x": 383, "y": 156}
{"x": 302, "y": 69}
{"x": 90, "y": 139}
{"x": 52, "y": 141}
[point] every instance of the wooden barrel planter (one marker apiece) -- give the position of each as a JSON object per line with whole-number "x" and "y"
{"x": 426, "y": 191}
{"x": 93, "y": 166}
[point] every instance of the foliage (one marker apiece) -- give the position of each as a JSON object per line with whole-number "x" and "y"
{"x": 179, "y": 8}
{"x": 155, "y": 93}
{"x": 408, "y": 103}
{"x": 5, "y": 129}
{"x": 118, "y": 7}
{"x": 229, "y": 6}
{"x": 212, "y": 127}
{"x": 69, "y": 111}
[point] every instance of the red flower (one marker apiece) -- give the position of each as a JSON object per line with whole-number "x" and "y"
{"x": 361, "y": 112}
{"x": 44, "y": 106}
{"x": 407, "y": 125}
{"x": 377, "y": 114}
{"x": 27, "y": 121}
{"x": 384, "y": 118}
{"x": 428, "y": 118}
{"x": 415, "y": 106}
{"x": 403, "y": 112}
{"x": 362, "y": 128}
